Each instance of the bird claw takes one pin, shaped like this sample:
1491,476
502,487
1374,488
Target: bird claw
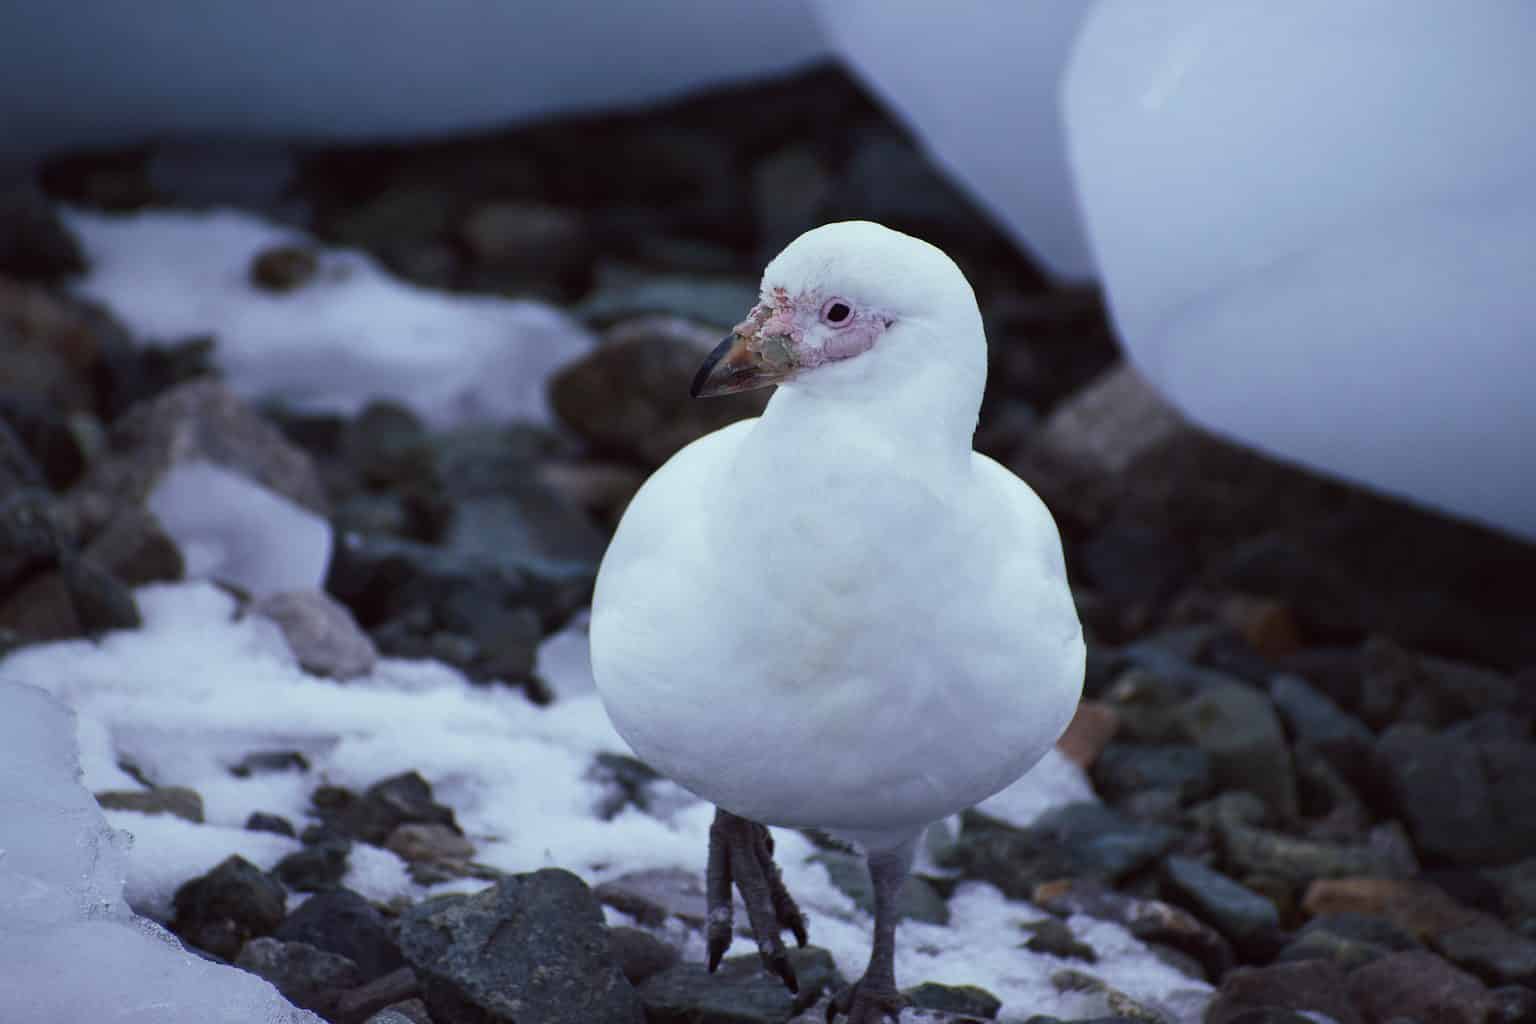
864,1003
741,854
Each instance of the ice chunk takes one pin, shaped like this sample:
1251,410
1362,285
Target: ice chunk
232,529
350,334
71,948
978,82
1317,228
354,69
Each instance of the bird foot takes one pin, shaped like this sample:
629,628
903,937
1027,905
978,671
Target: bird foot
866,1003
741,853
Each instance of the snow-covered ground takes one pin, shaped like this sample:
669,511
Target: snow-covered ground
349,334
198,688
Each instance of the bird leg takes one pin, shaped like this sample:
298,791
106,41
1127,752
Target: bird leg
873,999
741,852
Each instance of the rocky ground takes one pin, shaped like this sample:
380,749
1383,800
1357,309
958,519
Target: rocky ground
1309,710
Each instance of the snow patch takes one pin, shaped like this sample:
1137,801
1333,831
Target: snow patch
350,334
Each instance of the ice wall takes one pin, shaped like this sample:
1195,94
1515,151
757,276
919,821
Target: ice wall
1317,226
97,72
70,949
979,83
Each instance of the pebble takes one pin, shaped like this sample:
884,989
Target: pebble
309,978
1077,841
320,632
383,807
177,801
261,821
1312,986
231,904
1239,913
1349,939
341,921
1421,986
315,868
530,947
739,992
962,1000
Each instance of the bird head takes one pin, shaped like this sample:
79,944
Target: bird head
843,302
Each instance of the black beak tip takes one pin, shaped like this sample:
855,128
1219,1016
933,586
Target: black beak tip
700,379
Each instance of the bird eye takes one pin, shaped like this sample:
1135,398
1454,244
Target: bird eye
837,313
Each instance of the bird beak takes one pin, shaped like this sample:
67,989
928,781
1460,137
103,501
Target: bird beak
744,362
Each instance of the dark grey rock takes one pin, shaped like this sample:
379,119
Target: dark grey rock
18,470
198,420
371,997
1077,841
1125,768
528,249
1438,786
343,922
1419,985
1494,726
530,947
1313,717
962,1000
1313,986
1516,884
315,868
383,807
790,189
1133,562
34,243
307,977
30,538
261,821
918,899
222,910
265,762
1151,921
1348,939
1386,853
135,550
629,396
100,601
626,782
640,954
1053,937
739,992
321,633
1238,728
177,801
1489,950
409,1011
1251,921
1399,685
1510,768
1512,1004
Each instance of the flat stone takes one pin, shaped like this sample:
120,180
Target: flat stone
177,801
1076,841
1348,939
1126,768
962,1000
307,977
1313,717
656,894
1490,950
641,954
1251,850
1421,986
365,1000
1418,908
1151,921
1052,936
1314,986
321,632
429,843
530,947
739,992
1242,915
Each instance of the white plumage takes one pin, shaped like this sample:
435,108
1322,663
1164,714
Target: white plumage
838,615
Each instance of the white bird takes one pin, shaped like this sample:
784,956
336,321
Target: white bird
837,615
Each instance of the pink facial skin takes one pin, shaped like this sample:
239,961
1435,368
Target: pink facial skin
787,318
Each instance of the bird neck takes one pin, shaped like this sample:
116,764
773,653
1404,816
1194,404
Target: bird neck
898,398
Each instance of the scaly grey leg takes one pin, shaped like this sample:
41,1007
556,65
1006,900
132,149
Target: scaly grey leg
873,999
741,852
